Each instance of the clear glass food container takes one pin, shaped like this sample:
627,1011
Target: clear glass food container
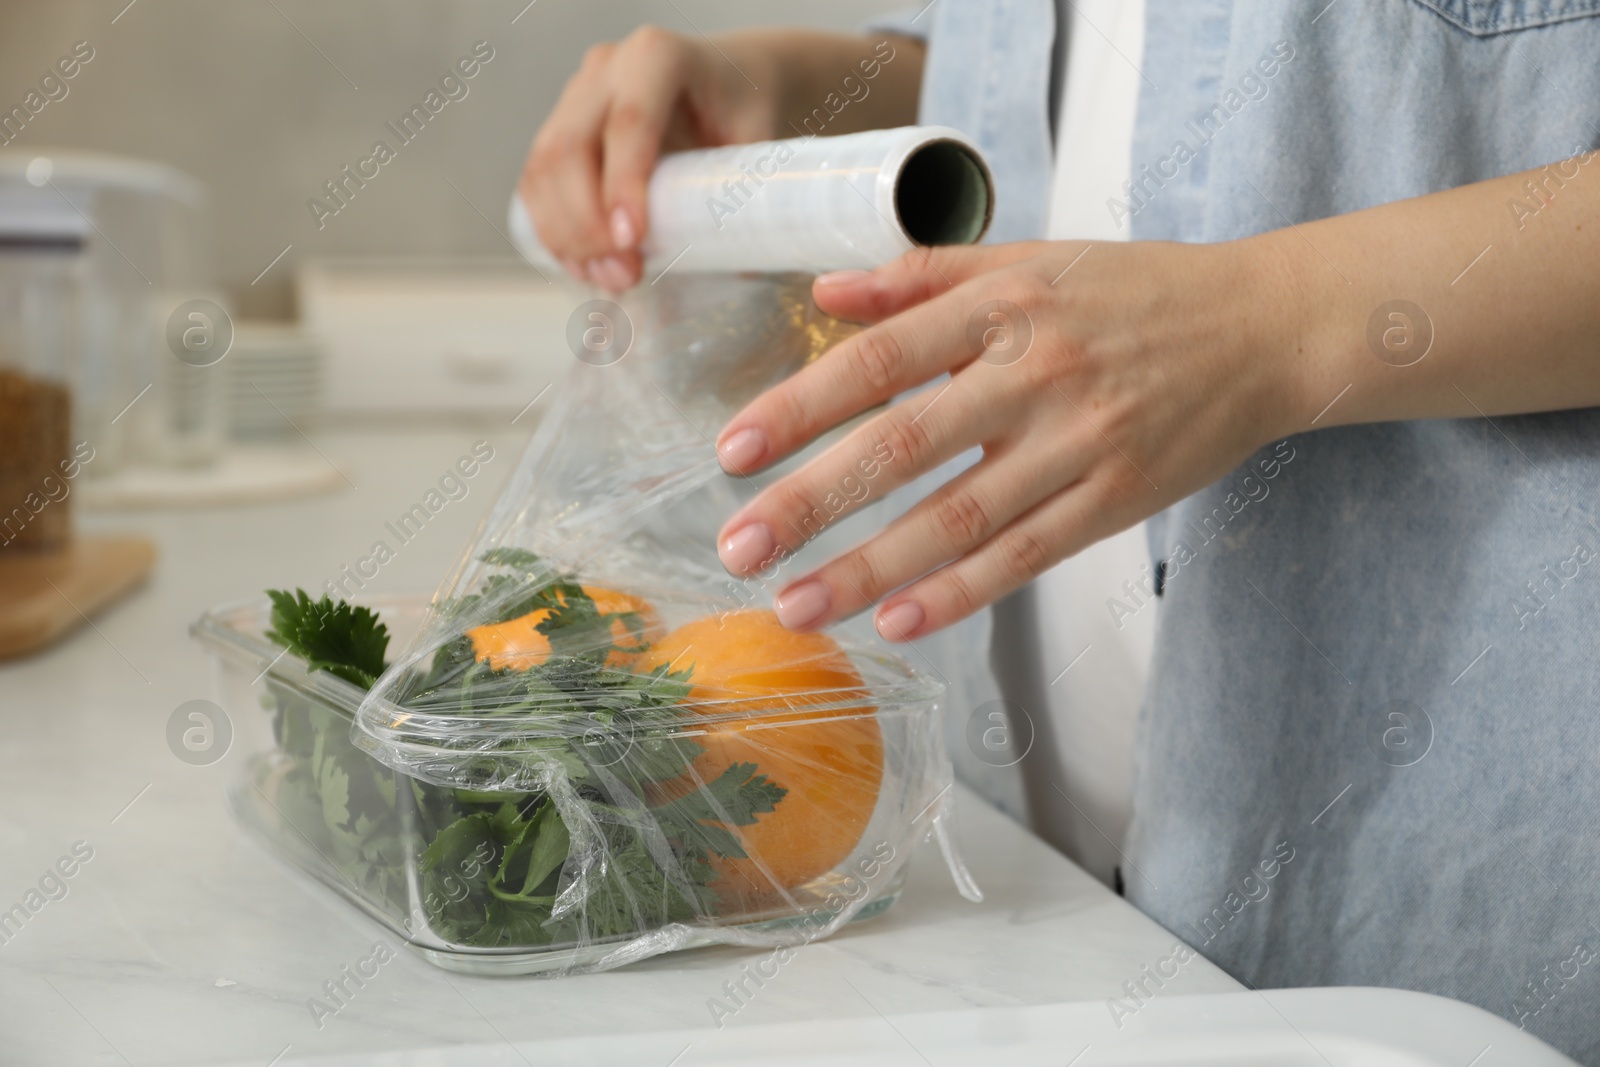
421,853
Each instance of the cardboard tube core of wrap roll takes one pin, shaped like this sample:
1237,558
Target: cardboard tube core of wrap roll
944,195
808,204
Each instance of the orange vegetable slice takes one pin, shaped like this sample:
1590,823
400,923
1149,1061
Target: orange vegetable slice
518,645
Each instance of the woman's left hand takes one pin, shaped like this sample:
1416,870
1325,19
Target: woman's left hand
1102,382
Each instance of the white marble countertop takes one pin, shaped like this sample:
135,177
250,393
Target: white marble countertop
182,942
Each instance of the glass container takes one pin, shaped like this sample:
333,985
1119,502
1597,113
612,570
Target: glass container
419,853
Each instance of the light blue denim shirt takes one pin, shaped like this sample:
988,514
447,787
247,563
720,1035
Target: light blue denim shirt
1370,752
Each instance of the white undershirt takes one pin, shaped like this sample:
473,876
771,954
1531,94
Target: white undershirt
1094,132
1094,705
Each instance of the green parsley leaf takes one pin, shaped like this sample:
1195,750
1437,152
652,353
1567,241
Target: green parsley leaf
339,638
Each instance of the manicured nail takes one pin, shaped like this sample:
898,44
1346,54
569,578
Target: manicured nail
622,234
801,605
900,622
743,451
842,277
747,548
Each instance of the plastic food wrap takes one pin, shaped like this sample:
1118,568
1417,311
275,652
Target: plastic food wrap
809,203
595,746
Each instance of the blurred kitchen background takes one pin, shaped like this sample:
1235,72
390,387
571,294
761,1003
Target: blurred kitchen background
264,100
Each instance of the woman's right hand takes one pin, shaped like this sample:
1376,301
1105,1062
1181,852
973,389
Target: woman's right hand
656,91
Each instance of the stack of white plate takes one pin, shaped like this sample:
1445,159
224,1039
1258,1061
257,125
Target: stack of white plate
274,381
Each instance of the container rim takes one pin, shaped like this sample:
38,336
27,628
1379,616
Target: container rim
218,628
894,684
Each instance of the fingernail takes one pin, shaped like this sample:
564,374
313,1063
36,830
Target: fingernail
900,622
747,548
801,605
621,228
842,277
743,451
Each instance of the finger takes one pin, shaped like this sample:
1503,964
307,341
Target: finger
918,276
890,451
959,517
656,66
564,206
571,207
1061,526
867,369
617,272
561,180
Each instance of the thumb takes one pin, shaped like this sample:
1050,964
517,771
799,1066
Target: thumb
919,275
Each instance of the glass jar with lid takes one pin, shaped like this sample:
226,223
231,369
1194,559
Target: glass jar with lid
42,272
138,262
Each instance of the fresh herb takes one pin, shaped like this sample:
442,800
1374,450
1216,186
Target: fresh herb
330,636
505,868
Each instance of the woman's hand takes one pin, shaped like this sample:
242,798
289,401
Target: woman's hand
1102,382
1152,369
655,91
658,91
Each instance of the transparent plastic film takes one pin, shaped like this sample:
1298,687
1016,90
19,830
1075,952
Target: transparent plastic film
595,746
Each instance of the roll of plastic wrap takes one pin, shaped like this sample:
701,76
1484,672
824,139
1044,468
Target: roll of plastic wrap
808,204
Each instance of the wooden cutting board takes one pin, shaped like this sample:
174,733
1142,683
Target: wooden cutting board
46,595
